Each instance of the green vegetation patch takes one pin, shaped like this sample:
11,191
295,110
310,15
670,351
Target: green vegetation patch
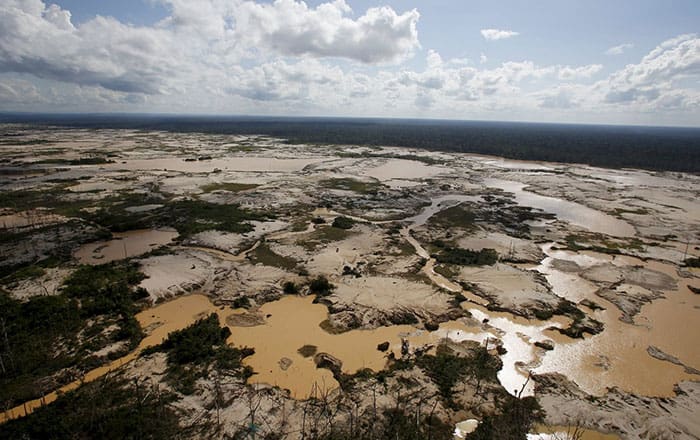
228,186
343,222
465,257
455,217
192,216
601,244
290,288
24,273
324,235
448,271
621,211
12,141
108,408
347,184
47,334
320,286
425,159
193,350
692,262
514,420
264,255
112,213
90,160
446,369
57,198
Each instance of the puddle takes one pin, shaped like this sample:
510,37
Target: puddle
30,218
251,164
439,204
124,245
571,212
517,336
403,169
142,208
466,427
568,433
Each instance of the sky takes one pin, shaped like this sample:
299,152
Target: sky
574,61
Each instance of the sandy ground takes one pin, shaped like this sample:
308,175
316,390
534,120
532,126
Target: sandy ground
650,219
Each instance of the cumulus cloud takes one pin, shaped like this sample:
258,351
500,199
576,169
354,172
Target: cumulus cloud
658,72
290,27
279,80
581,72
285,56
198,39
620,49
43,42
498,34
561,97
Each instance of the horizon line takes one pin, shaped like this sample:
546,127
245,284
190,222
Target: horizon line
88,115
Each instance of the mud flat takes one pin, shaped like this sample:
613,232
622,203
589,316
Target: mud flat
574,213
573,244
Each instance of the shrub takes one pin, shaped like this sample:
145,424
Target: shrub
290,288
320,286
343,222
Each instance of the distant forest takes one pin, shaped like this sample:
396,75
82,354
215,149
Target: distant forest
652,148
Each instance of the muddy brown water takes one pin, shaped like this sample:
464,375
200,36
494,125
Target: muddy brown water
160,321
33,218
618,356
568,433
403,169
289,324
124,245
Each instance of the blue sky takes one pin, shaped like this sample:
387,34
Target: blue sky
623,62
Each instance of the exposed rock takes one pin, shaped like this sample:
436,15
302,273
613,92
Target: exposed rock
285,363
657,353
565,266
545,345
245,320
629,415
325,360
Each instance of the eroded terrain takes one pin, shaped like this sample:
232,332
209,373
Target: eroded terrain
348,271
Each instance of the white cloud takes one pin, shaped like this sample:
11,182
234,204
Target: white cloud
199,39
282,57
104,52
620,49
569,73
498,34
290,27
657,74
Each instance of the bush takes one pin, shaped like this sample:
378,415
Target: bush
290,288
467,257
320,286
516,418
192,350
108,408
692,262
242,302
343,223
93,299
